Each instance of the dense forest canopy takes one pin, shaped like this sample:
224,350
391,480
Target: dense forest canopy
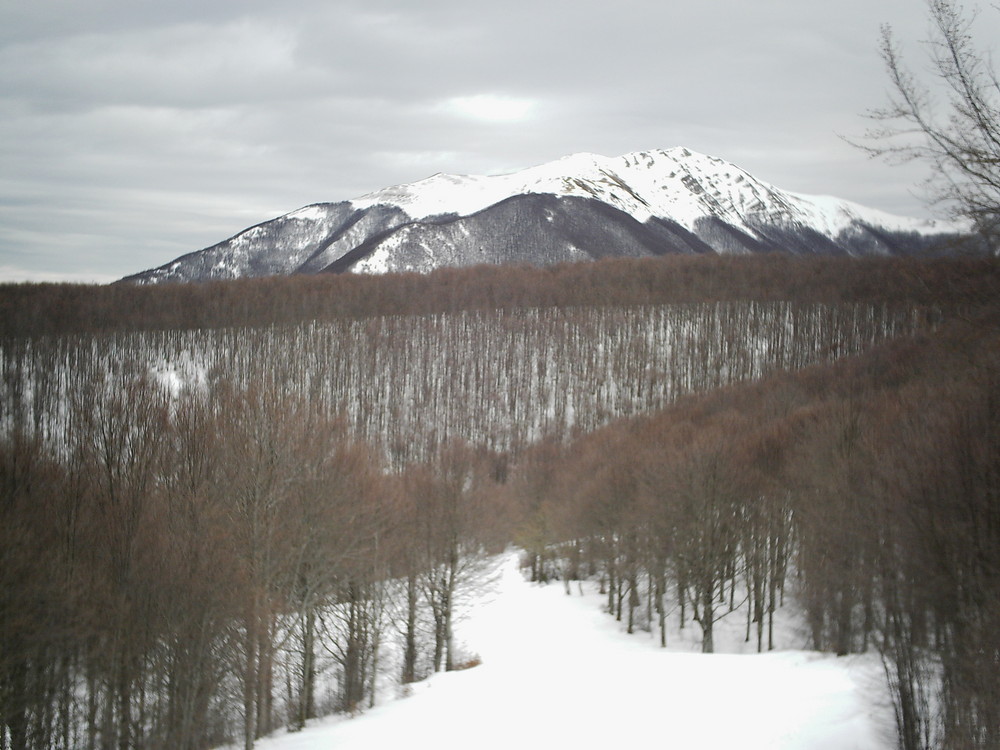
32,309
225,508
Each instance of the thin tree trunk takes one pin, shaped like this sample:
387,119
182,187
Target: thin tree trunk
410,651
449,635
249,688
661,608
770,614
307,690
681,599
707,622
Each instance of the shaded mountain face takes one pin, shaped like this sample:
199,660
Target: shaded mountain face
577,208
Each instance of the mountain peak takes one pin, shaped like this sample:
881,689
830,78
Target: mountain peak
635,183
579,207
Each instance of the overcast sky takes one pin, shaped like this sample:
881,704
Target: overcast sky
133,131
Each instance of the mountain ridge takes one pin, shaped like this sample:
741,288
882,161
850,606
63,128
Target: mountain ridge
580,207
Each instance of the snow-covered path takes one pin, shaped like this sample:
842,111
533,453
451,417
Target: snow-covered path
557,672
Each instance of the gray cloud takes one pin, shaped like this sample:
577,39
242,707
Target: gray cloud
134,131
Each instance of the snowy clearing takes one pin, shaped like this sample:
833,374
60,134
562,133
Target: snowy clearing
557,669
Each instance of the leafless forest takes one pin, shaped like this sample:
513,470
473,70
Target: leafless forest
232,507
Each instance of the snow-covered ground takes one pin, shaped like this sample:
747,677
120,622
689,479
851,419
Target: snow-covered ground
558,672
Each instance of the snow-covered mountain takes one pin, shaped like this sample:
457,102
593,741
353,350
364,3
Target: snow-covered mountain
581,207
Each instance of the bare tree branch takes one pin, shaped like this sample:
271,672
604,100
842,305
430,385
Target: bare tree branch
953,125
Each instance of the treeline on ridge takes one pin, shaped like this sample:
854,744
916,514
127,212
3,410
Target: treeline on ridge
34,309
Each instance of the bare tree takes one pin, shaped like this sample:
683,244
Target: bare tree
122,420
198,598
30,592
836,521
706,493
257,459
450,538
953,127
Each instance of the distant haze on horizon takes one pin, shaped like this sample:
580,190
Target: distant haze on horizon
133,132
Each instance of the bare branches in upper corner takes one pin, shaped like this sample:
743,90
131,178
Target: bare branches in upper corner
952,123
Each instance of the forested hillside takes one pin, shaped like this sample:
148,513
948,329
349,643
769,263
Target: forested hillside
867,489
498,380
227,508
35,309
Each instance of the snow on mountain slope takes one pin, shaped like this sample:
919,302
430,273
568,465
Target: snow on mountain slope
276,247
677,183
558,672
580,207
